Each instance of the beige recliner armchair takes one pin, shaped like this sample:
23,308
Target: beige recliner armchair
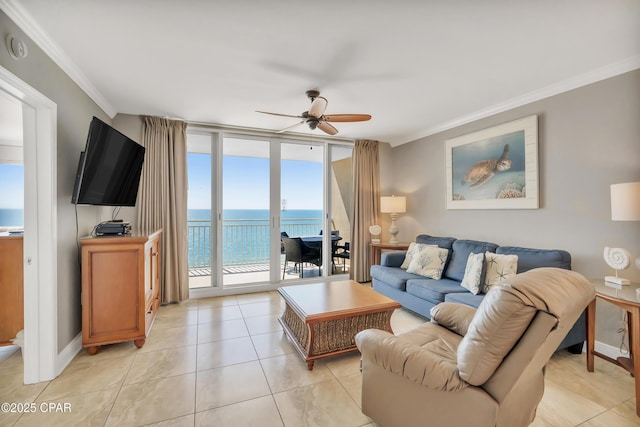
471,367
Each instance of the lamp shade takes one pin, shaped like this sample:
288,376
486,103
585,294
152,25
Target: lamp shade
393,204
625,201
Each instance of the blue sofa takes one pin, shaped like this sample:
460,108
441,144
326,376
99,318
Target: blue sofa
419,294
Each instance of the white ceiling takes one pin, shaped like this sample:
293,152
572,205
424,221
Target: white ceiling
417,67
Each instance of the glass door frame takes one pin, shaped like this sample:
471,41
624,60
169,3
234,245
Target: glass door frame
275,142
274,221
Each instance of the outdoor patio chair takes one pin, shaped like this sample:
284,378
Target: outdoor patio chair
342,252
296,251
282,234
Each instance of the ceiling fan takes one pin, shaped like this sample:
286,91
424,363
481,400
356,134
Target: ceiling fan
316,118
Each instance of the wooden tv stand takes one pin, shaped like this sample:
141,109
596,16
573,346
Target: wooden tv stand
11,288
120,288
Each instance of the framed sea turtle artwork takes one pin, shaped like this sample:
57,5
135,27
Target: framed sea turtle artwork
494,168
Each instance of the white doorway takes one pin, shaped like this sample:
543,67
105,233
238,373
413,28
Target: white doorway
39,116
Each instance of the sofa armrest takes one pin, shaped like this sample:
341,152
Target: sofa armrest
393,258
453,316
411,361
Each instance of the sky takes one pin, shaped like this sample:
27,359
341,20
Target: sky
246,183
11,186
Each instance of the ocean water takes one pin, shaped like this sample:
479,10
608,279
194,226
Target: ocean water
245,233
11,218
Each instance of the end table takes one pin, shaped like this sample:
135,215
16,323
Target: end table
626,298
376,249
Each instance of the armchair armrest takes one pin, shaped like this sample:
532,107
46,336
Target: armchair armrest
392,259
411,361
453,316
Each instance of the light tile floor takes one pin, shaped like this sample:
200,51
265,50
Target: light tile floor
225,362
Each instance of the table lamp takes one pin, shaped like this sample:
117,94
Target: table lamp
393,205
625,206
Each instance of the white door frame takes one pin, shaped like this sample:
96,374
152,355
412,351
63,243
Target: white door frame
39,120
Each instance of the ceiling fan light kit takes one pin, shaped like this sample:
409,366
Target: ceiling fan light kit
315,117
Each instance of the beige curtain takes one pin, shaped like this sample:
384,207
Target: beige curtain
364,207
162,200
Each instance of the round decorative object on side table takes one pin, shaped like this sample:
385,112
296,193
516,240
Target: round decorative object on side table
618,259
375,231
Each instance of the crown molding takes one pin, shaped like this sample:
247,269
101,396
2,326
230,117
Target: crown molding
25,21
602,73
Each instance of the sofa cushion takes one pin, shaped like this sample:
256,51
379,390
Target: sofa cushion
465,298
433,290
472,279
498,269
428,262
460,254
441,242
412,251
392,276
529,258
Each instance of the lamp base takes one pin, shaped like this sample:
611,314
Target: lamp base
617,280
393,230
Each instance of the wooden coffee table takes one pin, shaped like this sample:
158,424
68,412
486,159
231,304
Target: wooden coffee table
322,319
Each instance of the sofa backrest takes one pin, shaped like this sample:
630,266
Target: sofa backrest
529,258
460,253
441,242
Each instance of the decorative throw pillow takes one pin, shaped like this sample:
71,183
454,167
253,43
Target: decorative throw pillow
472,279
499,268
413,249
429,262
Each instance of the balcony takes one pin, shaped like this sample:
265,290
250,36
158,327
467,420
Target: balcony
245,248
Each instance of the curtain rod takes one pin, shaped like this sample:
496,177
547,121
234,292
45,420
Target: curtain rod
263,132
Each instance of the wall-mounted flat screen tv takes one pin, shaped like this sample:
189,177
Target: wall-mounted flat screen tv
109,168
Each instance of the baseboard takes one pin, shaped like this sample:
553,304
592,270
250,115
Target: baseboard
68,353
608,350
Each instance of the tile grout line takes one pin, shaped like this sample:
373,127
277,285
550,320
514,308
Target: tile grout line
124,377
273,398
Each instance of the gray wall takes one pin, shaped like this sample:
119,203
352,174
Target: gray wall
588,139
130,125
75,110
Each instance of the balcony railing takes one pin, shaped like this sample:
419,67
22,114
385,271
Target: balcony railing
244,241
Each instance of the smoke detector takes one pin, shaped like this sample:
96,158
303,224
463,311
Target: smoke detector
17,48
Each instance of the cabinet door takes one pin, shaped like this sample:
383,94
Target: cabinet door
114,293
11,288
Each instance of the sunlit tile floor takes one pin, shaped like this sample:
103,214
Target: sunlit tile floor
225,362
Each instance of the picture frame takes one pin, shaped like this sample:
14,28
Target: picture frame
494,168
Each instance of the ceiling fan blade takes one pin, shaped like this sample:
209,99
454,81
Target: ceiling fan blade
347,117
291,127
327,128
278,114
318,106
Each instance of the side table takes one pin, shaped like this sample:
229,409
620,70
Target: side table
376,249
624,297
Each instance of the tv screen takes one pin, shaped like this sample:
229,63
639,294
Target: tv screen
109,168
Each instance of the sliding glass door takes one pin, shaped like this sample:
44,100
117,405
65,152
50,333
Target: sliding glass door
340,178
200,221
250,197
302,205
246,213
